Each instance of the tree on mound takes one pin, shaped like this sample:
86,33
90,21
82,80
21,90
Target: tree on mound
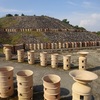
9,15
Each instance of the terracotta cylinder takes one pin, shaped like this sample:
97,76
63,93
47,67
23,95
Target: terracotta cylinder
20,98
38,46
82,63
24,89
26,46
51,97
56,45
20,54
8,54
80,44
64,45
19,46
28,94
85,44
51,85
30,55
31,47
73,45
54,60
25,84
83,54
52,46
24,76
6,82
7,46
42,46
81,91
35,46
60,45
43,58
66,62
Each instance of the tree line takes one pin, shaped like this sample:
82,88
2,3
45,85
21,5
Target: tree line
10,15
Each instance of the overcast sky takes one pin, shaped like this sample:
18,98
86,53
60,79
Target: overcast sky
85,13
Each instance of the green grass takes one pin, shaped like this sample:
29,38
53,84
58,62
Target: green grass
7,22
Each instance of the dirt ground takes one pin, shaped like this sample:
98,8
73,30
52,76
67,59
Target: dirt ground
93,65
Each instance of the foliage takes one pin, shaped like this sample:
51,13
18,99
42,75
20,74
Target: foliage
7,22
9,15
5,39
16,15
22,14
98,33
65,21
15,38
81,28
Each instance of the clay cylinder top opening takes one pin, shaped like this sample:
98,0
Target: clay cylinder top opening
6,69
83,75
31,51
51,78
55,54
83,53
25,73
44,52
8,45
67,56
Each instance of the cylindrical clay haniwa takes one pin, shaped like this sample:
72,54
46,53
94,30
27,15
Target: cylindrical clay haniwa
82,63
51,85
6,82
82,60
31,47
43,58
81,90
54,60
66,62
30,55
8,54
25,85
20,54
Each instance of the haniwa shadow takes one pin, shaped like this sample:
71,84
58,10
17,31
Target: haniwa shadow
94,68
66,98
38,92
64,92
70,98
2,55
73,66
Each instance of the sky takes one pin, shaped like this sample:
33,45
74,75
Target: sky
84,13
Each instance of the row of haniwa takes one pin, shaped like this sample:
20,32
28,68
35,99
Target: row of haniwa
44,56
60,45
52,45
81,90
24,83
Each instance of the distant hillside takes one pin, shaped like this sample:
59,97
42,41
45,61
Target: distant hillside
41,22
33,22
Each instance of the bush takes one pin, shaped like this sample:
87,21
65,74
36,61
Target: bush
16,15
9,15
